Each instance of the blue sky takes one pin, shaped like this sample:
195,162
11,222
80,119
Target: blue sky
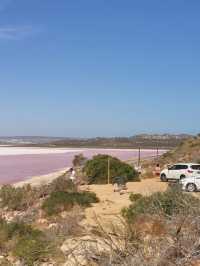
88,68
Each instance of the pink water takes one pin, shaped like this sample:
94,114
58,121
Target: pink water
15,168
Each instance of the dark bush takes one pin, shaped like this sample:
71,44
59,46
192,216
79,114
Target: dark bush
169,203
64,201
96,170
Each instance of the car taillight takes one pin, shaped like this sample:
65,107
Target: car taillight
190,171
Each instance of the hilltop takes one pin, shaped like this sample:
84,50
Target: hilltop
187,151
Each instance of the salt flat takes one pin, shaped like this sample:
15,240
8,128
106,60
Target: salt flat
7,150
19,164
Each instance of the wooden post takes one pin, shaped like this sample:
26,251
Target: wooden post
139,157
108,170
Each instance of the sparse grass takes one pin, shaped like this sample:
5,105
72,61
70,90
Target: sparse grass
187,151
169,203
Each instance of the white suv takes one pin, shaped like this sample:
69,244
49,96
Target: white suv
191,184
180,171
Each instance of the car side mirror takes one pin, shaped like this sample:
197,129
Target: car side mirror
168,167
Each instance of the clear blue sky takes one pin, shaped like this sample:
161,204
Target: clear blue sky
99,67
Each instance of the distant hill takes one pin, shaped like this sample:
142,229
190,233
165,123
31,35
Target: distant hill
148,141
166,141
187,151
26,140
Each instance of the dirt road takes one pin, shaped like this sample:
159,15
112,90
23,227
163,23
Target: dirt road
111,202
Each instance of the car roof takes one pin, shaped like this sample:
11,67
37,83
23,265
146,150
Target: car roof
187,163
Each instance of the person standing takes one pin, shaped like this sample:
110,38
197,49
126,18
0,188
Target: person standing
157,170
72,175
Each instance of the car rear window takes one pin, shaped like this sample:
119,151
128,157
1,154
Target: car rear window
196,167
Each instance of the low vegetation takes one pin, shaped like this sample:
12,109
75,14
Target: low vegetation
31,229
158,230
65,201
19,199
96,170
26,243
170,203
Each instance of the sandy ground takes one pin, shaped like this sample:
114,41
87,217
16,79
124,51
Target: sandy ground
112,202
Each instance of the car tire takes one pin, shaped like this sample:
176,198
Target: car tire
163,178
191,187
182,177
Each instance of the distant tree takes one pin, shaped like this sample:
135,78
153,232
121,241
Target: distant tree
96,169
79,160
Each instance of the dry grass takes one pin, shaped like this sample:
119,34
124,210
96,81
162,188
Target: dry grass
153,239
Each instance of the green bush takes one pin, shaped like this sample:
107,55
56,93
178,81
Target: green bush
64,201
62,183
32,249
28,244
169,203
19,198
96,169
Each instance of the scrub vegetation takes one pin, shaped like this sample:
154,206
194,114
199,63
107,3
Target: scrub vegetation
96,170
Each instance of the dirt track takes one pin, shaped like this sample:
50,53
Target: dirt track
111,202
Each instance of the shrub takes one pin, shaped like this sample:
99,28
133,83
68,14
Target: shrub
62,184
96,169
19,198
169,203
134,197
29,244
64,201
32,249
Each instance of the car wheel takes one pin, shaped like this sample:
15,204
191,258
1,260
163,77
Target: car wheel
182,177
163,178
191,187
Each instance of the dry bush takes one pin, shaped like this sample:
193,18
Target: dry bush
20,198
148,174
165,231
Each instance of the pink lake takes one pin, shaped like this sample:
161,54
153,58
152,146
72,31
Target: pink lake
17,164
